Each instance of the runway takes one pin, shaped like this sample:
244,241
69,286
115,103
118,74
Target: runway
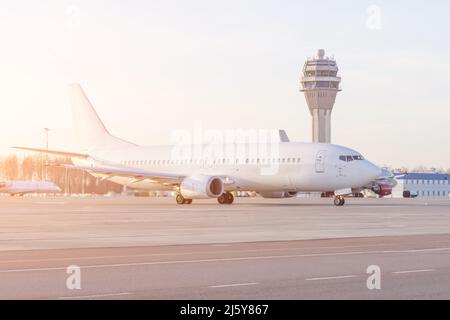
411,267
59,223
140,248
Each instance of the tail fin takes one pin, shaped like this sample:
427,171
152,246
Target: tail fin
283,136
89,129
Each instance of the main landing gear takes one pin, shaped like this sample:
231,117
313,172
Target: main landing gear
226,198
339,201
181,200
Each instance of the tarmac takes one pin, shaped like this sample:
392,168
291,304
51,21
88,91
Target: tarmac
151,248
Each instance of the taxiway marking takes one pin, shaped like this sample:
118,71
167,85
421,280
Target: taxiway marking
331,278
414,271
135,264
106,295
234,285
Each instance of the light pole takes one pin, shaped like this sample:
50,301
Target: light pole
46,137
46,130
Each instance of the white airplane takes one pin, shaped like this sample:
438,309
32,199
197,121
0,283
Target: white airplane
23,187
289,168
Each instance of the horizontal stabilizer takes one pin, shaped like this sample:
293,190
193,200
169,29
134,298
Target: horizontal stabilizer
55,152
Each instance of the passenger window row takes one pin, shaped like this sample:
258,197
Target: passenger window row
203,161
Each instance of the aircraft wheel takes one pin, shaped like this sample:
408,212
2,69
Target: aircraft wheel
222,199
339,201
188,201
180,199
229,198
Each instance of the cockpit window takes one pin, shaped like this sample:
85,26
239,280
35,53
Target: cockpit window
351,158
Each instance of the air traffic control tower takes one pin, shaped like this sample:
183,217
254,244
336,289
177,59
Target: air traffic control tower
320,84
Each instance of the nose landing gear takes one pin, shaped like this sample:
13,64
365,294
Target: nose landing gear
339,201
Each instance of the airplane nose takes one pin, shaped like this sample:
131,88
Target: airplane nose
373,171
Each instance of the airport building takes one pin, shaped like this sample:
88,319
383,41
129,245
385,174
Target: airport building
320,84
436,185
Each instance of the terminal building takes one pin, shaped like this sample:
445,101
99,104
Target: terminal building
434,185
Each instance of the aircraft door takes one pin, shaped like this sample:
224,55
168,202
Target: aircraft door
320,161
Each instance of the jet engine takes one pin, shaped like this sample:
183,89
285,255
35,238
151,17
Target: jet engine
201,187
382,189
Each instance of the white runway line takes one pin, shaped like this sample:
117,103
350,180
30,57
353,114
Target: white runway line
178,253
414,271
331,278
44,202
234,285
252,258
381,206
106,295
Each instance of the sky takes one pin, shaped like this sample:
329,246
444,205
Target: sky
153,67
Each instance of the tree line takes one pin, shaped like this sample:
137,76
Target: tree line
41,167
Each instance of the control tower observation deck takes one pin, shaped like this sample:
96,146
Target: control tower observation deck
320,85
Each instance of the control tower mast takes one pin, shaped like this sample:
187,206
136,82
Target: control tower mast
320,85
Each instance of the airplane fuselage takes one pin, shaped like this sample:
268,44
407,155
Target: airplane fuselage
287,166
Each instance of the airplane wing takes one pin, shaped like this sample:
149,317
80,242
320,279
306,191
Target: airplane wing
110,172
55,152
137,175
388,175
